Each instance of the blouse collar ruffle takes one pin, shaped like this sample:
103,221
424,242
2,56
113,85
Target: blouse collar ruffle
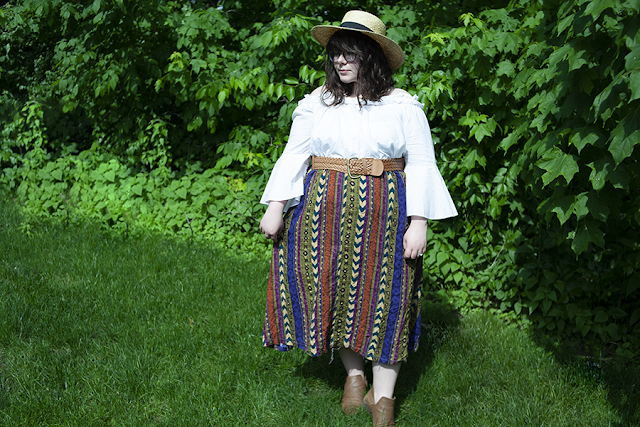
399,99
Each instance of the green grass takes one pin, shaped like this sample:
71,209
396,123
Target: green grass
97,329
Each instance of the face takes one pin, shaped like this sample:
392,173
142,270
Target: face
347,70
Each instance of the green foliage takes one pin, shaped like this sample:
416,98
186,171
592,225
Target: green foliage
200,205
170,114
541,162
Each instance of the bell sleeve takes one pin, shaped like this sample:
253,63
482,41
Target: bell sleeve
287,178
427,193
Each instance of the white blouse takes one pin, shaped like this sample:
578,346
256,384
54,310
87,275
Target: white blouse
396,126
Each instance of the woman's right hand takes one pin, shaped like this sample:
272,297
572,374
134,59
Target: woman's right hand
272,223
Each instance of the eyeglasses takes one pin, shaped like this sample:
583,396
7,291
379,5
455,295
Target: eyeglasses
348,56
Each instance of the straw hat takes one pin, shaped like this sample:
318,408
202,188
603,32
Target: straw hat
365,23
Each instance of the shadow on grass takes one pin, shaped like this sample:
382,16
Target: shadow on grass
620,375
439,324
4,389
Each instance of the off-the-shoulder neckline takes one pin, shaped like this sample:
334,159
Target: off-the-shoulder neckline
399,98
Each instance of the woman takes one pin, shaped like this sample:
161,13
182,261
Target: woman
346,269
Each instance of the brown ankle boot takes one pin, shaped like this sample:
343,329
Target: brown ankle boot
354,389
381,412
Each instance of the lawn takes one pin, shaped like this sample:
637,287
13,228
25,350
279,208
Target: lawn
100,329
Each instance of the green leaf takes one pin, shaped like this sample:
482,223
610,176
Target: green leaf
557,163
249,103
509,141
619,178
507,41
195,124
596,7
599,171
98,18
266,39
222,95
613,331
586,233
201,92
632,60
601,317
625,137
474,156
481,130
563,208
617,313
506,68
304,73
182,192
575,59
634,85
583,137
572,309
633,284
113,81
517,307
607,101
197,64
598,207
635,316
579,206
57,174
564,23
291,93
110,175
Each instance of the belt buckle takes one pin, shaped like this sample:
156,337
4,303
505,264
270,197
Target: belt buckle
349,168
377,166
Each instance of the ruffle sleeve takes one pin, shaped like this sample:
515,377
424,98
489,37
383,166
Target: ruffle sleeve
287,178
427,193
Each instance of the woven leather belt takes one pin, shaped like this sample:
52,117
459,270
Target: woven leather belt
355,167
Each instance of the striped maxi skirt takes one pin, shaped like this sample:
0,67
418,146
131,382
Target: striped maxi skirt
338,277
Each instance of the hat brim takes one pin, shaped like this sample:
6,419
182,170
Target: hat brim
392,51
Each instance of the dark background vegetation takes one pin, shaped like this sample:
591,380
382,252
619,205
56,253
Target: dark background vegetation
168,116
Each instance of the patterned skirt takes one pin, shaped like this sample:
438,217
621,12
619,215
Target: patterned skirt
338,277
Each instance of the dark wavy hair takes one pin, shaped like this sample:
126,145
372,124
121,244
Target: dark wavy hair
374,76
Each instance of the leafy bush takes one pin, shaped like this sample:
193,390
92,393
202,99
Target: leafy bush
536,107
170,114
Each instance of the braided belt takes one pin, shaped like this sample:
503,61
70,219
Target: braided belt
356,167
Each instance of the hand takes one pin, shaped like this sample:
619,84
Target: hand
272,223
415,238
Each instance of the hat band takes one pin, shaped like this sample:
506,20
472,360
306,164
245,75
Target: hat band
355,26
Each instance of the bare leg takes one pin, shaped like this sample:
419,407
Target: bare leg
384,380
352,361
355,387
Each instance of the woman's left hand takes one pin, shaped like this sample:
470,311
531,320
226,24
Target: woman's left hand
415,238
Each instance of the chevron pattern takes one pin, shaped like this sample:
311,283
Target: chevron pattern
344,189
338,278
288,338
315,239
380,303
356,260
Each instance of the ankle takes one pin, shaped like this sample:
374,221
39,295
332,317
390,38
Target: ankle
354,372
379,395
